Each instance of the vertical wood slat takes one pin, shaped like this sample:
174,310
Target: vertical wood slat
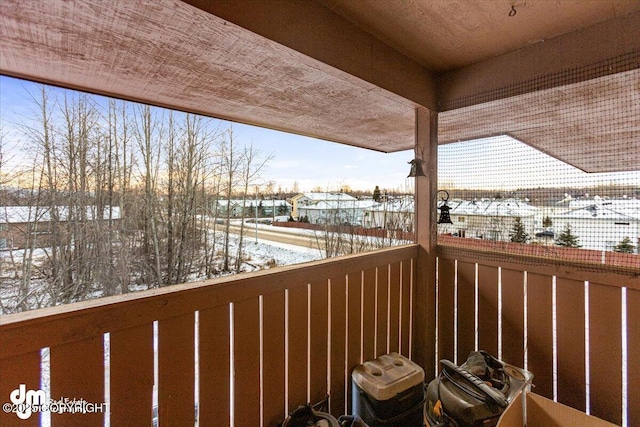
571,343
23,369
446,308
513,317
382,309
273,359
297,344
466,309
488,309
633,361
176,372
246,362
540,332
318,341
369,315
405,308
77,372
605,351
337,372
354,330
214,359
131,375
394,307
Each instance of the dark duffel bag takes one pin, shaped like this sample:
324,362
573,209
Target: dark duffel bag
306,416
473,394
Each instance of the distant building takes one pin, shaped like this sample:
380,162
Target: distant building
239,208
490,219
313,198
600,223
23,226
392,214
335,212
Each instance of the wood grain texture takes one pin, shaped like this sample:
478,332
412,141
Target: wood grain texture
605,347
77,372
131,375
488,309
215,366
513,317
571,343
176,370
540,332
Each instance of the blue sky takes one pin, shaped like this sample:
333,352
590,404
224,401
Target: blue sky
497,163
309,162
316,163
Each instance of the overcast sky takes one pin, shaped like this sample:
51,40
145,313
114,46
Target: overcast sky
496,163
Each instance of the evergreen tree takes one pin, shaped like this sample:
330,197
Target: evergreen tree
566,238
546,222
517,234
625,246
376,194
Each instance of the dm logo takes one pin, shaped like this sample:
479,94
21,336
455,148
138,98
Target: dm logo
25,400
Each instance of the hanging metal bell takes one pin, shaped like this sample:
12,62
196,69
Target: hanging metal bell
416,168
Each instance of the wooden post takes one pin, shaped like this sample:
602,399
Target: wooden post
424,319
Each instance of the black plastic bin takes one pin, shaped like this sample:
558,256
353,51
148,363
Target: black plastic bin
389,392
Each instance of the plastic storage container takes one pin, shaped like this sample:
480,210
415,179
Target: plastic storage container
388,392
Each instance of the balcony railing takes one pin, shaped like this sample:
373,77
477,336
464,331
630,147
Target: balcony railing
249,349
575,326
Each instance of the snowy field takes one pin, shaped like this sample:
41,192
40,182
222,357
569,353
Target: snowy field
258,254
284,254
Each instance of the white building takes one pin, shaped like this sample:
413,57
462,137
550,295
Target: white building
266,207
394,214
491,219
599,223
313,198
337,212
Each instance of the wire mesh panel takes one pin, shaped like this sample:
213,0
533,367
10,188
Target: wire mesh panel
556,173
543,183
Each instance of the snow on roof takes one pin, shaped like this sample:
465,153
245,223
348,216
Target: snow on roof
340,204
405,204
492,207
252,202
328,196
600,208
18,214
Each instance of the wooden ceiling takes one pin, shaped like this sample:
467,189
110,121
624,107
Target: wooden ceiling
446,35
560,76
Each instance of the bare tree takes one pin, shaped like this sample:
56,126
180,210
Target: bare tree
120,176
218,177
43,173
118,199
147,134
252,164
230,164
192,156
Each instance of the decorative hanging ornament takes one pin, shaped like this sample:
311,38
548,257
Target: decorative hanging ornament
444,209
416,168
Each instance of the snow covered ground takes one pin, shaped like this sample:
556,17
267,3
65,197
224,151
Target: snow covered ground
284,254
258,255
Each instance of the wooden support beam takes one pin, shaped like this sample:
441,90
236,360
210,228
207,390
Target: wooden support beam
424,326
316,31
